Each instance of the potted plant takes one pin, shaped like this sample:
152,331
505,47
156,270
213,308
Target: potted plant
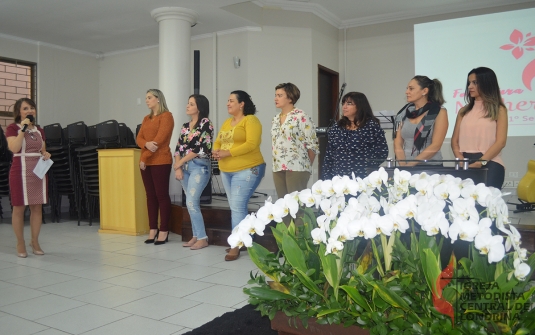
411,254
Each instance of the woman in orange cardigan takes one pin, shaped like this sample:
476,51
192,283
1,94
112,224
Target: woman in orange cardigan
155,163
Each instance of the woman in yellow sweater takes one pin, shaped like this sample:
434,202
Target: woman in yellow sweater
155,163
237,148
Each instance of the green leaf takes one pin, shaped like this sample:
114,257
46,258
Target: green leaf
332,268
267,294
291,228
329,311
308,282
521,304
278,234
259,256
355,295
431,270
378,259
386,294
293,254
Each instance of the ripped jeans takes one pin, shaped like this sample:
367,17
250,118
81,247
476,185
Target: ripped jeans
240,186
196,176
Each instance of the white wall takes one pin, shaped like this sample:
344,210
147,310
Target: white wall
123,81
67,82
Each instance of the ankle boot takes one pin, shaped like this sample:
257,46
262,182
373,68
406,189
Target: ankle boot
233,254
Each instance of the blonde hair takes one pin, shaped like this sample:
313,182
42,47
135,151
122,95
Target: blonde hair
162,105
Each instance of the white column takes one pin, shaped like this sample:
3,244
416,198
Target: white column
174,68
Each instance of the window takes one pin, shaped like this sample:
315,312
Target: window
17,80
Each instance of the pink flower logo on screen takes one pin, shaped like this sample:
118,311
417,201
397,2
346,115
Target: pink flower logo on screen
521,43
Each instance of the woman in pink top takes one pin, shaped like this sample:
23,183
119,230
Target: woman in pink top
481,128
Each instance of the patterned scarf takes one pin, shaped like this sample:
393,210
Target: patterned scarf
423,128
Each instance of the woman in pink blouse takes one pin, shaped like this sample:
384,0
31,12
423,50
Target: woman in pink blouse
481,128
294,144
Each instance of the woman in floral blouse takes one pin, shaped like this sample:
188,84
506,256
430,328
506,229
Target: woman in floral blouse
294,144
192,164
356,141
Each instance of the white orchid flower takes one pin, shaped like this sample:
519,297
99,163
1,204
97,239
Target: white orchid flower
308,198
344,186
398,221
521,253
378,178
316,188
513,239
424,186
447,190
371,204
407,207
484,226
288,204
271,212
333,246
369,228
338,202
464,209
490,245
240,239
354,209
318,236
327,188
463,229
438,224
324,222
355,227
329,209
522,270
478,192
252,225
385,224
401,179
340,231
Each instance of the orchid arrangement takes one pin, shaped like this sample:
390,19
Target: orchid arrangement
370,252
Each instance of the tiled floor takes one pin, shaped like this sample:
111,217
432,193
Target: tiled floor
91,283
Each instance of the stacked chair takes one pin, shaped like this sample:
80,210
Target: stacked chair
5,163
75,169
4,182
60,181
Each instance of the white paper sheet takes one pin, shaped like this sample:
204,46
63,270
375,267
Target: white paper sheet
42,167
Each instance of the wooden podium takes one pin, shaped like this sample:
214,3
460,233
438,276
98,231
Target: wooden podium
123,203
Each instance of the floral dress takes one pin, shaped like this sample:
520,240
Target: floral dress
291,141
197,140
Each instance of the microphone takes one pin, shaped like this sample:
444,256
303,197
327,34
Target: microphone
29,117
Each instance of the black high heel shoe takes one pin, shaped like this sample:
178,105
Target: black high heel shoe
151,240
156,242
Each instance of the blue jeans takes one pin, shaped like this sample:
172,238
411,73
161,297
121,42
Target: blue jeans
196,177
240,186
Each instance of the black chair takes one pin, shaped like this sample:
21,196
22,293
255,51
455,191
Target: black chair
127,137
108,134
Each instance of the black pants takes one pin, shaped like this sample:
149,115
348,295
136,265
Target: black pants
495,171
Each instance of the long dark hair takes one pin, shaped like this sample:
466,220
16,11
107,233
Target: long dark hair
18,105
248,106
364,110
203,106
434,86
488,89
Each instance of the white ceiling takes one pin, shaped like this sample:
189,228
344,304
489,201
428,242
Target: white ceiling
104,26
